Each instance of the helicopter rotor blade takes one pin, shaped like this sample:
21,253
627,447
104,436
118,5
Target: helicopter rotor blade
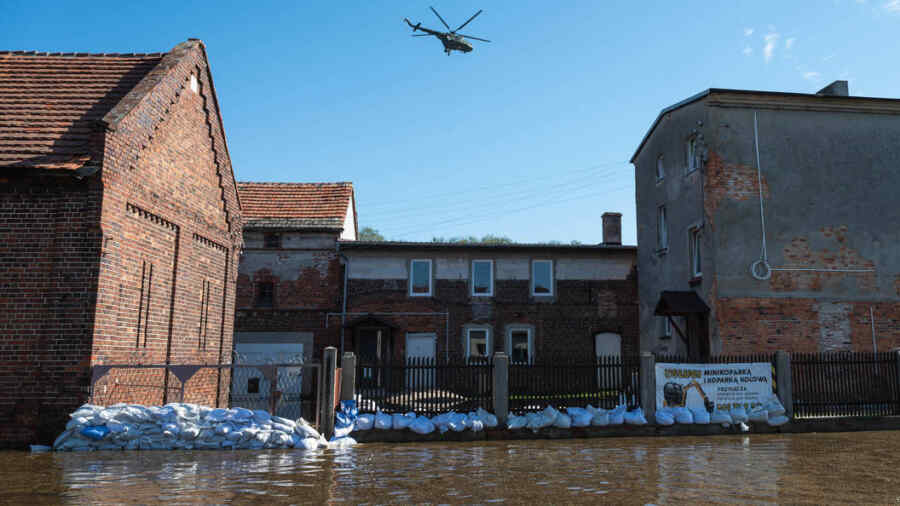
467,22
439,17
421,35
475,38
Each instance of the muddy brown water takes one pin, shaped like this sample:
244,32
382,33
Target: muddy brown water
798,468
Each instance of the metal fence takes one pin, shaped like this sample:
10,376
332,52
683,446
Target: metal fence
604,382
424,385
841,384
720,359
290,390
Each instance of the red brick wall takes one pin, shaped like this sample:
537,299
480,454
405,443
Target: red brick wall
753,325
49,259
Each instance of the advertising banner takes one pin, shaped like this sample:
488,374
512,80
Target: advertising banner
713,386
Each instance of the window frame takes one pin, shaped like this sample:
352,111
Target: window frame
694,251
520,328
662,228
691,153
412,262
552,291
667,328
660,168
490,292
488,340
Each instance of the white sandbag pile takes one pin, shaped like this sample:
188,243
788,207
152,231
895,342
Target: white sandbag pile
771,413
576,417
182,426
451,421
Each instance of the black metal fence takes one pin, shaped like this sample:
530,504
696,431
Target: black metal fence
720,359
842,384
424,385
562,382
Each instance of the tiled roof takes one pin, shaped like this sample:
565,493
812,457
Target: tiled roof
50,103
295,205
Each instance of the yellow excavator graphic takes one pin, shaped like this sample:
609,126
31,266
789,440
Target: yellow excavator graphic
675,395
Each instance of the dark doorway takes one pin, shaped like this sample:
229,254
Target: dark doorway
695,333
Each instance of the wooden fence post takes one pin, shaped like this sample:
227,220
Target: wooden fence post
348,376
648,385
783,382
501,386
326,409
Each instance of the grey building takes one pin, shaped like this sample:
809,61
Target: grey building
767,221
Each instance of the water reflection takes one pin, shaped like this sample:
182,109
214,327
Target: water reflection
811,468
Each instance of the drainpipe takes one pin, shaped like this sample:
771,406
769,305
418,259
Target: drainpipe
346,262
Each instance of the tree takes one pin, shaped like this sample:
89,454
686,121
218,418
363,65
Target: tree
487,239
370,234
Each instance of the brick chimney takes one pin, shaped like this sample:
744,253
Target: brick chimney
835,89
612,229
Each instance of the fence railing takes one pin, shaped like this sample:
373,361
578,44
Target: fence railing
718,359
563,382
289,390
842,384
425,385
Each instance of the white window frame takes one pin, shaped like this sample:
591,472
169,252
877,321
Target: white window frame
667,327
552,279
691,152
695,234
660,168
430,277
520,328
489,346
490,292
662,229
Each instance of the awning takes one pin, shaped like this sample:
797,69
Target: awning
673,303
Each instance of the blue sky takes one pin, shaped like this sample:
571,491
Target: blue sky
527,136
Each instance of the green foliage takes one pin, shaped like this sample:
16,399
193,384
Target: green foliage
370,234
487,239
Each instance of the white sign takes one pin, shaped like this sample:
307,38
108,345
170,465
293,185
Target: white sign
709,386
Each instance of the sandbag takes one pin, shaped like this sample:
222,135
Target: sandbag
422,425
739,415
664,417
383,421
400,421
457,422
343,431
617,415
774,407
701,416
600,418
758,415
683,415
516,422
635,417
563,421
489,419
95,432
775,421
547,417
581,417
720,417
474,422
364,422
342,442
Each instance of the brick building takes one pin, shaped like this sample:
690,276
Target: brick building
789,200
290,274
120,229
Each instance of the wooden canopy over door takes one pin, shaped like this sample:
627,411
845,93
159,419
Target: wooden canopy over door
696,314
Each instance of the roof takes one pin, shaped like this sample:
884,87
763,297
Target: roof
680,304
832,99
295,205
51,104
403,245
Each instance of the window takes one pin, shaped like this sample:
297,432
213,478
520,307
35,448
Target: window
660,169
252,385
204,315
694,244
195,84
265,294
662,232
478,343
420,278
691,152
542,277
519,345
666,327
483,277
272,241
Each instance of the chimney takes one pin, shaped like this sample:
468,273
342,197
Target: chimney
835,89
612,229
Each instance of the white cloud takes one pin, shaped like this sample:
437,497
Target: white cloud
769,49
747,51
811,76
828,57
748,32
892,6
789,43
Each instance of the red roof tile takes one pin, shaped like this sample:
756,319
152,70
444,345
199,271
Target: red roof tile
50,103
300,204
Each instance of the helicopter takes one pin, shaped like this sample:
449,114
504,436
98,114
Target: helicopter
450,39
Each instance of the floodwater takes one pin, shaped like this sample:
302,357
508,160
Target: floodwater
799,468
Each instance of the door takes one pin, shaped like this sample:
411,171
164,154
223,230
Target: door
251,388
420,351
